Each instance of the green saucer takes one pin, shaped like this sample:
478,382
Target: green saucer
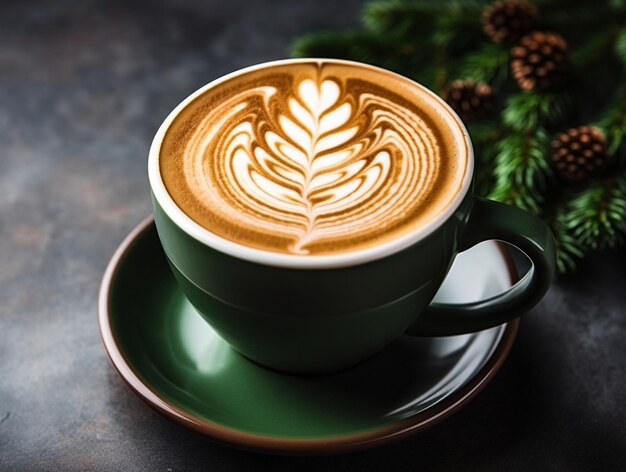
178,365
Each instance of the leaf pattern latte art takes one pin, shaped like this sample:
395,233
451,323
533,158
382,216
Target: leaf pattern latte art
311,166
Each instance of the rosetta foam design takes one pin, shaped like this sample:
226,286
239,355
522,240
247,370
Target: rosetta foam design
310,163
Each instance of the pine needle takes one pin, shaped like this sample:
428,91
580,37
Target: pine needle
411,59
399,17
402,17
568,249
488,64
596,216
434,41
522,170
613,121
484,137
526,111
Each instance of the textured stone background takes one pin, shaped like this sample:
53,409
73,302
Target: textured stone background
83,86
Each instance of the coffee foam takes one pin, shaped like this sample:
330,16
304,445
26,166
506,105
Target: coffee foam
313,158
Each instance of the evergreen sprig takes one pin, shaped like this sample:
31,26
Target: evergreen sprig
437,41
409,17
568,248
522,170
399,18
613,122
489,64
596,216
485,136
407,57
527,111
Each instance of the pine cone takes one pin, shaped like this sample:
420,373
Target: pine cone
579,153
470,100
508,20
540,61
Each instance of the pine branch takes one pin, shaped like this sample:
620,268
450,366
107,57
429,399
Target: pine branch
568,249
596,216
433,41
353,44
513,193
450,27
488,64
613,121
399,17
589,220
522,170
458,32
526,111
484,136
415,17
410,59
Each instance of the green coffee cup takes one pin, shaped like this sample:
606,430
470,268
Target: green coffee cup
319,314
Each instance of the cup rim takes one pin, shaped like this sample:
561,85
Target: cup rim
292,261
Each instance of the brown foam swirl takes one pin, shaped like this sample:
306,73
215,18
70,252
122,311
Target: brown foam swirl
307,163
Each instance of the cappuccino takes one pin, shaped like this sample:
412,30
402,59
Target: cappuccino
313,157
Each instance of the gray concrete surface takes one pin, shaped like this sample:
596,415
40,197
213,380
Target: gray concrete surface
83,87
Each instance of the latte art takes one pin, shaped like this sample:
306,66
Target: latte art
311,158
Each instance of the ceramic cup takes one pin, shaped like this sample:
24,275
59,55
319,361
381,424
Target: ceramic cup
318,314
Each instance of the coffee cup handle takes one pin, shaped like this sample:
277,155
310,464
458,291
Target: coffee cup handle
490,220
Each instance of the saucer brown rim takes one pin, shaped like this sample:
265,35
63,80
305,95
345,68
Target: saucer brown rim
290,446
